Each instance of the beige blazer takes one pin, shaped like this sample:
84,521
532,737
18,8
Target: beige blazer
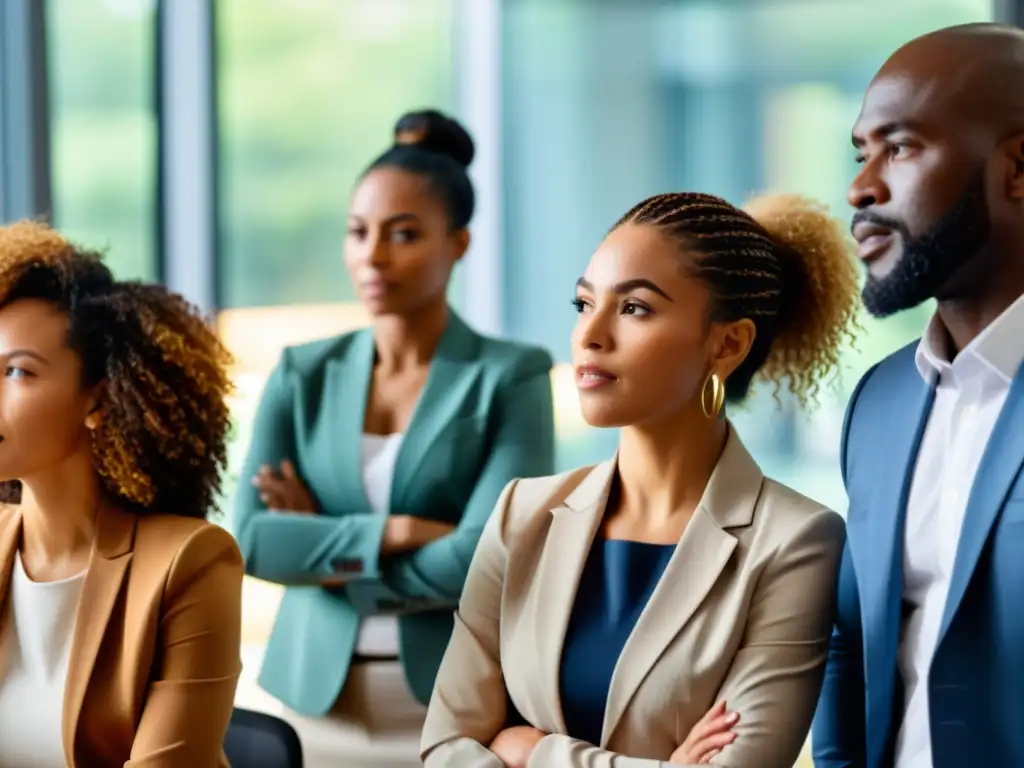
743,613
155,656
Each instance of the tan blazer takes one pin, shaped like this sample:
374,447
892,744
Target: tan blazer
743,613
155,656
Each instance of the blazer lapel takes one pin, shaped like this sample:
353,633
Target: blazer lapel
446,387
10,536
878,550
107,568
1000,465
348,384
695,565
574,525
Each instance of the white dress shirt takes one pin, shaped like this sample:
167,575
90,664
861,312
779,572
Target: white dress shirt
38,641
970,393
378,635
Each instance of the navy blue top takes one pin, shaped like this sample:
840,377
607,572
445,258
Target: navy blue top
616,584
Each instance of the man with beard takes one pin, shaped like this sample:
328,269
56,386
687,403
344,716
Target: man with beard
926,666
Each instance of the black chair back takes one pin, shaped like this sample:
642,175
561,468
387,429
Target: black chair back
258,740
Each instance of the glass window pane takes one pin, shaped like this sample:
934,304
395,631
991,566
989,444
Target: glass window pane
101,60
308,94
607,103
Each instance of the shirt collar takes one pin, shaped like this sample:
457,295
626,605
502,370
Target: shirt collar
999,348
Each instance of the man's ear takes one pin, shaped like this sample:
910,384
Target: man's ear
1014,153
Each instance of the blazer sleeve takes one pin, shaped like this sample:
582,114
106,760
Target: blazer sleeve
469,705
523,446
189,701
775,677
290,548
839,731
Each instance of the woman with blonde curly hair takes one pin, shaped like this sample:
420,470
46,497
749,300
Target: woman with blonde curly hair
120,607
671,606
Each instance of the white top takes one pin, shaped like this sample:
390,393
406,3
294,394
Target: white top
38,643
378,635
969,396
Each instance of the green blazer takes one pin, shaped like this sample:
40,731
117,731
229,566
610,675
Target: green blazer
484,418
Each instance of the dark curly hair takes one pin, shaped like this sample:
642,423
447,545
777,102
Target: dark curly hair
161,444
785,263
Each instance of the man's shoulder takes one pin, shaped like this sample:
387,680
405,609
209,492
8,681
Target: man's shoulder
901,362
884,408
880,383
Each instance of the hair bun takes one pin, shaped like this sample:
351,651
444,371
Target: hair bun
432,131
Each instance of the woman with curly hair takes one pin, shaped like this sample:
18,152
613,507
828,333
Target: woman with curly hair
671,606
120,607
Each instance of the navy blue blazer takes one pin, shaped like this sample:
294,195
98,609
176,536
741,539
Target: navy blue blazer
976,683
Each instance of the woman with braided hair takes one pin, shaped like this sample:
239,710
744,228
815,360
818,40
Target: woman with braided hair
120,606
671,606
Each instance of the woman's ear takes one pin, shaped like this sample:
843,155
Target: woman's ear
732,346
95,415
461,240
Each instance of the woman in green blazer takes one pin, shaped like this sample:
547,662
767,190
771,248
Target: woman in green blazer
377,456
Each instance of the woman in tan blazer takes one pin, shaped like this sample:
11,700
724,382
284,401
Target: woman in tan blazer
119,605
671,606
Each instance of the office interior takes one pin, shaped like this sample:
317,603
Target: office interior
212,145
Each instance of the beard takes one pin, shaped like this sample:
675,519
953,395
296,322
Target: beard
930,261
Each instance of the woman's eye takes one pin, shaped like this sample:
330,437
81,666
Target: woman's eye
357,232
404,236
579,304
13,372
632,308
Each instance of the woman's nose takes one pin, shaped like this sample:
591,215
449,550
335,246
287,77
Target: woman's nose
592,332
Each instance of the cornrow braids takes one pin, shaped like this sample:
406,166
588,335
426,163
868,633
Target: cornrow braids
162,442
784,263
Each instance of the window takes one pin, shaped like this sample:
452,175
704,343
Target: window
308,94
607,103
101,60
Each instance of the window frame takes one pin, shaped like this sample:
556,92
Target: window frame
25,173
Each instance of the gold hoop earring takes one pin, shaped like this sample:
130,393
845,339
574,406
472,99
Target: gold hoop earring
711,402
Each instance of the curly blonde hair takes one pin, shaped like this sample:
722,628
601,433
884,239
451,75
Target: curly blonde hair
823,290
161,444
786,264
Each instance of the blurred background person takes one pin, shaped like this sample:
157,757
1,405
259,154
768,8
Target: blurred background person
120,606
377,457
618,609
